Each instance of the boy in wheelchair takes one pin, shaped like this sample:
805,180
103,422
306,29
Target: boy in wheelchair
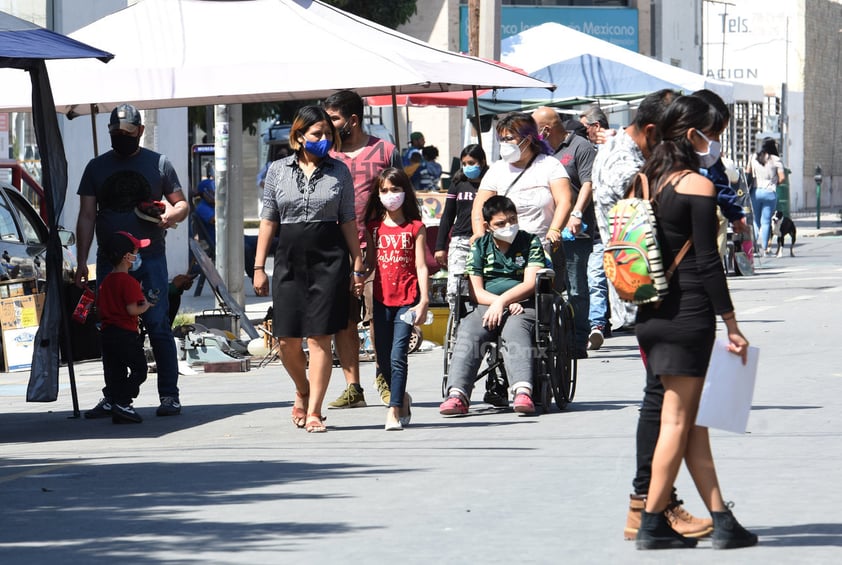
502,267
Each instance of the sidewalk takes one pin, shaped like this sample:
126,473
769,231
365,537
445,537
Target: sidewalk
806,224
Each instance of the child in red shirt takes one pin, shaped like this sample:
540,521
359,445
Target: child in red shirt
120,300
394,229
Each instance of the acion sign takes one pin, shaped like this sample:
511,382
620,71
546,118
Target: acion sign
614,25
746,41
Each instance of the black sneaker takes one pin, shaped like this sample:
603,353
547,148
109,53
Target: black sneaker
170,406
124,414
101,410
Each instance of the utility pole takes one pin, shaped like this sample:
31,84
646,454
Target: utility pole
228,175
489,29
473,27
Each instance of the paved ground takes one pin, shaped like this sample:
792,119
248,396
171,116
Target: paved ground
231,480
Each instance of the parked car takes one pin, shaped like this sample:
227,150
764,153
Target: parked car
23,240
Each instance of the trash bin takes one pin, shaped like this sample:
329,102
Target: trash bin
782,193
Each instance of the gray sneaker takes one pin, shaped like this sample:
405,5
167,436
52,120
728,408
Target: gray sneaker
101,410
351,397
383,389
170,406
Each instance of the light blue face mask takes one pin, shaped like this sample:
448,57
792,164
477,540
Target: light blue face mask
472,171
136,263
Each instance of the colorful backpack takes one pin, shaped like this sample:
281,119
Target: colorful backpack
632,258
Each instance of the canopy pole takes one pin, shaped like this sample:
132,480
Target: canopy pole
395,119
94,109
476,116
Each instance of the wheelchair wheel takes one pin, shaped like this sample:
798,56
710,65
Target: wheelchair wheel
415,339
562,365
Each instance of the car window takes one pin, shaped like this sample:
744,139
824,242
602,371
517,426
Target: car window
8,228
29,222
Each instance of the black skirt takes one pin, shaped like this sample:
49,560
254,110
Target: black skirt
311,280
677,337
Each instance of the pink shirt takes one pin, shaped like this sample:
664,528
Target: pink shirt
395,277
377,154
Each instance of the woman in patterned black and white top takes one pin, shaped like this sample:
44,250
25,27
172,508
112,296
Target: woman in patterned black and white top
308,200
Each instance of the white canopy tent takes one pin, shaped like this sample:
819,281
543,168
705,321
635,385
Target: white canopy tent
174,53
585,66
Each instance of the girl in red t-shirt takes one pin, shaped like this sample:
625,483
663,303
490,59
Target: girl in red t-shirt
395,230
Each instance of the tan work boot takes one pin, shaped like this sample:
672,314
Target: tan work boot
636,505
681,521
685,523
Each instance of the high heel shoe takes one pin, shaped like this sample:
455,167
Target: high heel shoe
406,410
299,415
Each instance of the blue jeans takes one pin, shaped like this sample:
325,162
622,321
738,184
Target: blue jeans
154,279
391,342
766,201
598,285
577,253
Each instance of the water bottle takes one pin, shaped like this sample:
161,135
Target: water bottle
409,318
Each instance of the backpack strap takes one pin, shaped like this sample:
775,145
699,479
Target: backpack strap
681,253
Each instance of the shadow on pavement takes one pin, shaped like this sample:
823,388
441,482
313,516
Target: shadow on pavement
58,425
102,512
800,535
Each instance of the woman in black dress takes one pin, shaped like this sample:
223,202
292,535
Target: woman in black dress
308,200
677,335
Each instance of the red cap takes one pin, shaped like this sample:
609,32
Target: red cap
138,243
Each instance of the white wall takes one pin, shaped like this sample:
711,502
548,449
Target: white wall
171,138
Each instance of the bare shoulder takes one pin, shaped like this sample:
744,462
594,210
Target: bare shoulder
696,185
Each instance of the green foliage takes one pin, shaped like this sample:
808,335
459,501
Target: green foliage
388,13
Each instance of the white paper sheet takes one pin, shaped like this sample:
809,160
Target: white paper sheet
729,387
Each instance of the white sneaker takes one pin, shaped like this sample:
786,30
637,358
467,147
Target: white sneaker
595,339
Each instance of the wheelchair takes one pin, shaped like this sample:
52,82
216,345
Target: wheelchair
555,368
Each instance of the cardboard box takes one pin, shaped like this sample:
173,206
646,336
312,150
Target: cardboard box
21,311
18,287
19,318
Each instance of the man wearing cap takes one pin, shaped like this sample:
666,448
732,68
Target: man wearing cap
122,190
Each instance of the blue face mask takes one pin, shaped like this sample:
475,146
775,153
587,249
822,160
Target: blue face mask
318,148
136,263
472,171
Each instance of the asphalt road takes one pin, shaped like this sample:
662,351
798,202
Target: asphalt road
232,481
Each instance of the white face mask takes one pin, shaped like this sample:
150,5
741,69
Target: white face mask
506,233
709,157
510,152
392,200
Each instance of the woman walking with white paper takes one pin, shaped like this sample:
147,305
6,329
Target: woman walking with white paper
677,335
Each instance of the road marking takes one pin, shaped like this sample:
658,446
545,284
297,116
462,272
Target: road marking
802,297
34,471
755,310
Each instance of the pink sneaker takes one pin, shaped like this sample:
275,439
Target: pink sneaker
523,404
453,406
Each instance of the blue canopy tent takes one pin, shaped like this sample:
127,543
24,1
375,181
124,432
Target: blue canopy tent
585,67
26,46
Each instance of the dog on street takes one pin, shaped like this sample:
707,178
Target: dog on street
782,226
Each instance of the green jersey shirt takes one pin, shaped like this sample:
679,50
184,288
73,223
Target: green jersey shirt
502,271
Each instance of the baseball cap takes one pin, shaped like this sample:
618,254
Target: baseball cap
125,117
123,242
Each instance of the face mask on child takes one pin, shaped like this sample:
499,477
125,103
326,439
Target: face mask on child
506,233
136,263
472,171
709,157
392,200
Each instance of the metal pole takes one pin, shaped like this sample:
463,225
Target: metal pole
819,205
234,205
221,127
476,116
395,119
93,129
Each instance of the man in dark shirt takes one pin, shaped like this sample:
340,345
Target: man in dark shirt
577,156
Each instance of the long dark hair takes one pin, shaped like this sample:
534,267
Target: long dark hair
375,210
477,152
675,152
524,125
767,147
